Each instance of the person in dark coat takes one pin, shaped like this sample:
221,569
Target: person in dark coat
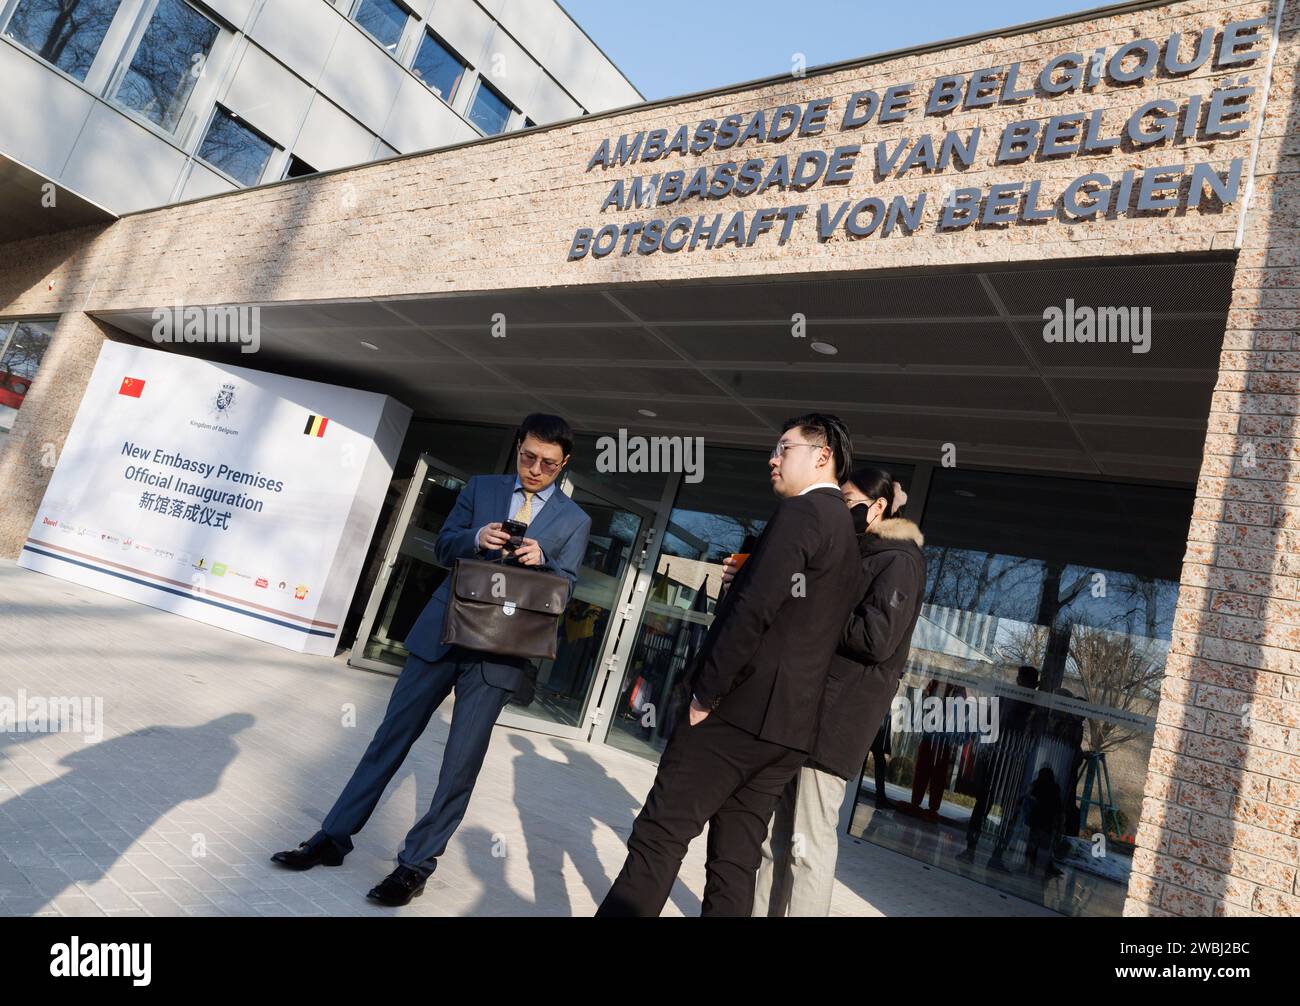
880,752
1043,817
756,686
798,878
998,763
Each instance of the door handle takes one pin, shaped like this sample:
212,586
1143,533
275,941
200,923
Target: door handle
646,540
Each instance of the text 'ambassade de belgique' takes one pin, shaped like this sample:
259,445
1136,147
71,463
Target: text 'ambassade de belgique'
1222,111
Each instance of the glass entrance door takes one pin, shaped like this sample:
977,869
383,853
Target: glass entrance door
590,626
410,573
567,687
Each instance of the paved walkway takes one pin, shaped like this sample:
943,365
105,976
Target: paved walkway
218,750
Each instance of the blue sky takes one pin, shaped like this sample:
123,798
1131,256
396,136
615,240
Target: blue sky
671,47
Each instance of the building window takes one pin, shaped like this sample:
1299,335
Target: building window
1055,597
298,168
66,33
22,347
489,111
439,67
167,63
383,20
233,147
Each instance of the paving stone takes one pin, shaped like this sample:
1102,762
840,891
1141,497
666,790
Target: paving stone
253,757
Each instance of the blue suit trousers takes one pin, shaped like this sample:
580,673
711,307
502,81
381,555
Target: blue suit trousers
420,690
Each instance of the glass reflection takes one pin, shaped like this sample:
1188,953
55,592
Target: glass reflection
723,514
235,149
66,33
417,574
1050,603
23,345
168,63
563,684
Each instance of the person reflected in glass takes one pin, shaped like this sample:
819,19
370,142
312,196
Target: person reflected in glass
1043,816
998,765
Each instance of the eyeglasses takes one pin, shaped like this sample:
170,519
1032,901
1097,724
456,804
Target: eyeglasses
529,460
781,448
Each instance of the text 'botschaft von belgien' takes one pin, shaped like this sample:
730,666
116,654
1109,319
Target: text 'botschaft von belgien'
1221,112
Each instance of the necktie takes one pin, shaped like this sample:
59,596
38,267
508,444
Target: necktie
525,513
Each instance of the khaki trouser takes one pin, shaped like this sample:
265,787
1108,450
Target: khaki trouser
797,874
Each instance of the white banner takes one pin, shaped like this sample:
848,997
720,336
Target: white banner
238,498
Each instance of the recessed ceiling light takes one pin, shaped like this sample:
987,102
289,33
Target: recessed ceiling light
648,412
823,347
370,345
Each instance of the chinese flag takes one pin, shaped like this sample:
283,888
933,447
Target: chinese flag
132,386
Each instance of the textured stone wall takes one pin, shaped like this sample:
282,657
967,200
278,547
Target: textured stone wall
502,214
1221,815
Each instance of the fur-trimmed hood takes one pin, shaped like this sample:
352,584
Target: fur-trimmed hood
874,646
900,529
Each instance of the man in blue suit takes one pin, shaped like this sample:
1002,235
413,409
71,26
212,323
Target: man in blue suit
556,540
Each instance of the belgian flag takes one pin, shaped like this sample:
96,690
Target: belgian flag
315,426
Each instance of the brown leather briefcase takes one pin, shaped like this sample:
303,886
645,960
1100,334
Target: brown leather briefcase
507,609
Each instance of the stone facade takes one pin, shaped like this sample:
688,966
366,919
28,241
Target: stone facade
1221,815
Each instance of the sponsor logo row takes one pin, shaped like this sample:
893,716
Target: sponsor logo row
201,564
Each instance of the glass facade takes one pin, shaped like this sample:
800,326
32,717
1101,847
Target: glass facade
66,33
645,487
710,519
564,684
159,68
438,67
1076,582
167,63
236,149
417,574
489,111
384,20
23,345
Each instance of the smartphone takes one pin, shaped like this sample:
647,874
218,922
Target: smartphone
516,531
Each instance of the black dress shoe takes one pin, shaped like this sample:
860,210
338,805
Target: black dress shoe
399,887
311,853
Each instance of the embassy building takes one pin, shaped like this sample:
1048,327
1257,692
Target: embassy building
1049,276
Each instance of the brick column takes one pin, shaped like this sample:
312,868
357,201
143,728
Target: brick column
1221,815
32,448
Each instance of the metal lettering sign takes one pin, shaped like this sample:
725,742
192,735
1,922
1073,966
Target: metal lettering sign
675,200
